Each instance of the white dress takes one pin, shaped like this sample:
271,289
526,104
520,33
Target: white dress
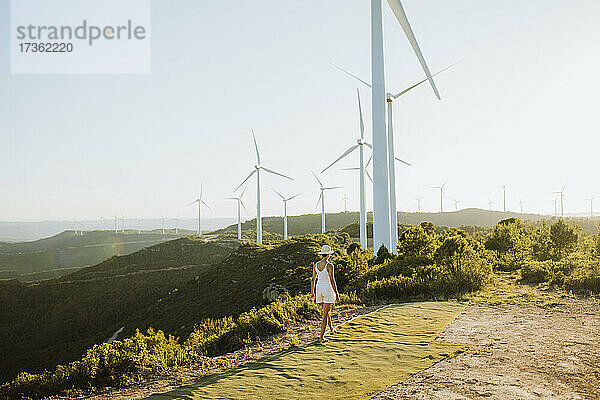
324,291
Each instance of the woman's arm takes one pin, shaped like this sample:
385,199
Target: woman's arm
312,284
332,280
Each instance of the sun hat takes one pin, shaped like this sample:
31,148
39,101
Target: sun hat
326,249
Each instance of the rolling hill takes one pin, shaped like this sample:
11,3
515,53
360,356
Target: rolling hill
311,223
169,286
66,252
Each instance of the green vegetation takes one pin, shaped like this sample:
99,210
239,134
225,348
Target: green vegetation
62,254
204,292
560,253
54,321
134,359
470,220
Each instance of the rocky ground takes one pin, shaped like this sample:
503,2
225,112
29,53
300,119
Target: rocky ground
543,346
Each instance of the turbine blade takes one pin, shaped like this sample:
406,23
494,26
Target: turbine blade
256,147
243,191
398,11
203,202
317,178
332,187
248,177
350,150
369,161
277,173
351,74
402,161
293,197
424,80
243,206
369,145
369,175
362,123
319,199
195,201
350,169
279,194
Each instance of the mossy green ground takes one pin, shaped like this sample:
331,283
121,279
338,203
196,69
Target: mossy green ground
339,369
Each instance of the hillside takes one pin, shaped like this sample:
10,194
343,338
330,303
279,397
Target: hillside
169,286
66,252
311,223
45,323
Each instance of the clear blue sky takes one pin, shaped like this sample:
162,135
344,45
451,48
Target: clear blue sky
520,110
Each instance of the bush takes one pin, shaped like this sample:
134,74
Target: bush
537,271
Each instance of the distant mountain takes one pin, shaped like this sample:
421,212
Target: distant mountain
311,223
63,253
34,230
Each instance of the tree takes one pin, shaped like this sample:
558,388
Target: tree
416,242
563,237
453,252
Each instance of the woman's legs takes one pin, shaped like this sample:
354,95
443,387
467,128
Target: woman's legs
326,308
329,321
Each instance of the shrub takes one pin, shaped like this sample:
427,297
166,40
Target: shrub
537,271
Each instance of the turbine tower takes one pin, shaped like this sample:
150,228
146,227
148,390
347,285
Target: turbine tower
490,203
240,205
456,203
285,200
418,199
442,194
322,200
257,168
504,197
116,225
360,143
345,200
521,202
391,150
562,200
200,202
591,200
382,221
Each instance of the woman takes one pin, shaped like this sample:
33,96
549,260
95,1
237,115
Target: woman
325,291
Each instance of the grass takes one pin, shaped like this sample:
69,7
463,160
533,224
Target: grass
339,370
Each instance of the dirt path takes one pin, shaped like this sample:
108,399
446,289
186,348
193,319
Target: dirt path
526,350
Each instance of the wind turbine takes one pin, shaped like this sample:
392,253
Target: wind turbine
240,205
490,203
322,200
200,202
257,168
591,200
360,143
162,224
442,194
521,202
562,200
285,200
390,146
138,226
345,200
116,225
418,199
382,221
456,203
101,223
504,197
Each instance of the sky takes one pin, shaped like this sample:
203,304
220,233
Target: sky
519,110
